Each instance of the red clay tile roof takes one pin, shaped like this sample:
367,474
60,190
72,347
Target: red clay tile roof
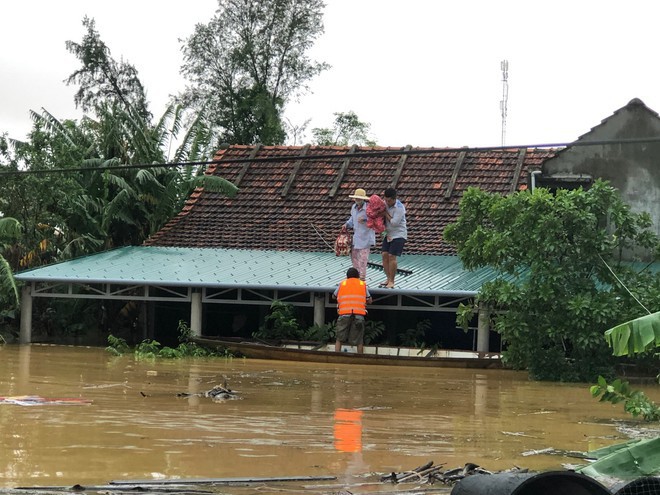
284,204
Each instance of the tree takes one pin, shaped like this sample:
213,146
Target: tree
106,199
78,187
10,230
347,130
295,131
556,256
248,61
101,78
123,206
34,197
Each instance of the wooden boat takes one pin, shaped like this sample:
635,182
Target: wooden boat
314,352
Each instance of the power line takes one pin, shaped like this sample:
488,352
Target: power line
341,156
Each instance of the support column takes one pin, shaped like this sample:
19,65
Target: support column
483,329
319,309
25,336
196,313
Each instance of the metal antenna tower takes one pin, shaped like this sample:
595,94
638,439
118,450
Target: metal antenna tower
505,96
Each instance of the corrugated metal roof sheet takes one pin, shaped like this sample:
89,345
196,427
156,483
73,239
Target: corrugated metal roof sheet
231,268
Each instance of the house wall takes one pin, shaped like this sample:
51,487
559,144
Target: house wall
632,168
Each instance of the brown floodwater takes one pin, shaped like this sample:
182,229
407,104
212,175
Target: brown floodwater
292,419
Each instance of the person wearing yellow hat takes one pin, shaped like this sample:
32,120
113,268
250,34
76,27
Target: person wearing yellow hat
363,237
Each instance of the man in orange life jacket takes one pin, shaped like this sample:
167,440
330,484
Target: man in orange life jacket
352,298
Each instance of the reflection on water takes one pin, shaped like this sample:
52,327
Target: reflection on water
292,419
348,430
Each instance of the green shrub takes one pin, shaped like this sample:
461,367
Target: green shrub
635,402
280,324
150,349
415,337
373,330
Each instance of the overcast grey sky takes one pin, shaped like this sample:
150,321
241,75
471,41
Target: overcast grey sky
421,72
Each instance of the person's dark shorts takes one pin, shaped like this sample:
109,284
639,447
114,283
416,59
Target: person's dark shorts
394,247
350,330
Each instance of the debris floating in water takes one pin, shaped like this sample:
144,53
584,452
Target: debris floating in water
217,393
429,474
35,400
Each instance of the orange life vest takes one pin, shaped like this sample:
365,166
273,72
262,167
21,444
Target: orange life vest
352,297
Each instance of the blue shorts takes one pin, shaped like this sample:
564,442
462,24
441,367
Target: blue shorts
394,247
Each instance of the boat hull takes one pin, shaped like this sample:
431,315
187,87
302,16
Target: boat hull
306,353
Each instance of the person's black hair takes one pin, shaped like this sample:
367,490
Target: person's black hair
390,192
352,272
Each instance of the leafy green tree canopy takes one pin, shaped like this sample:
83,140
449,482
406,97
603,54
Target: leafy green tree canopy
105,205
78,187
248,61
347,130
561,279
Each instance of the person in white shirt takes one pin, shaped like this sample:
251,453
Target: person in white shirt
363,236
396,234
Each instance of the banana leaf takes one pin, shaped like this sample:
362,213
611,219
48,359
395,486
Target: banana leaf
635,336
625,461
8,289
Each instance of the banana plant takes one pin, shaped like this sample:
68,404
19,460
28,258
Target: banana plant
632,337
10,229
635,336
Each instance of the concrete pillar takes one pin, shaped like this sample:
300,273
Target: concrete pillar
196,313
25,336
24,353
319,309
483,330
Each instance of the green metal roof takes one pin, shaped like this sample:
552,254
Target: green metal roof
257,269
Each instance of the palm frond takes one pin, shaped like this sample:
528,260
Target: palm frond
52,124
82,244
146,177
10,229
118,209
196,142
120,183
177,120
215,184
8,288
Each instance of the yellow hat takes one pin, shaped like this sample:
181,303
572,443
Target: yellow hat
359,194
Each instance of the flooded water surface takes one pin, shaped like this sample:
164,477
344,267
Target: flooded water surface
127,422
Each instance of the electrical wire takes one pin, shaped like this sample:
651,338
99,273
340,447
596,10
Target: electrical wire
623,285
339,156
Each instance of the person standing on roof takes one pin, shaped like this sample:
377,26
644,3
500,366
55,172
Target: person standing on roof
352,298
363,236
396,234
